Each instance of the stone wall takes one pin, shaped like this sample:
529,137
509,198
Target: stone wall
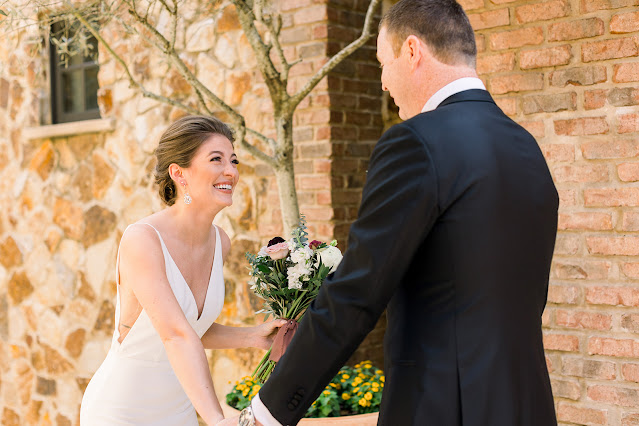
67,199
567,70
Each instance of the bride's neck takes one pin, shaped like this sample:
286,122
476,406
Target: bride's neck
192,225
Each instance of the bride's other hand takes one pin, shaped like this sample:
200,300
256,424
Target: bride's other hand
265,333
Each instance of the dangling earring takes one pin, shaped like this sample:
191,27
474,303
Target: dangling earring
187,197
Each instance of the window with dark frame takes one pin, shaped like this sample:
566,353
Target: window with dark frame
74,73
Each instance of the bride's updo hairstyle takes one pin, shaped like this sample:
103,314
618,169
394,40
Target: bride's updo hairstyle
178,145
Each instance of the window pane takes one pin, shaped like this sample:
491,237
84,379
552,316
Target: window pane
91,88
72,91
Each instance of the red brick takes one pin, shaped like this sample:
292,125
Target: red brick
580,367
581,126
623,96
614,395
628,172
611,197
613,296
550,103
625,73
630,221
545,318
630,419
585,221
318,213
609,49
581,173
561,294
516,38
581,415
613,246
581,76
624,23
536,128
496,63
585,320
594,99
555,152
542,11
575,270
502,84
310,14
489,19
561,342
631,270
628,123
547,57
314,182
324,198
624,348
575,30
565,389
594,5
567,244
480,42
630,322
471,4
567,197
507,105
605,149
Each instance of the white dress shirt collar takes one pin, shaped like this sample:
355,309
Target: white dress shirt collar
459,85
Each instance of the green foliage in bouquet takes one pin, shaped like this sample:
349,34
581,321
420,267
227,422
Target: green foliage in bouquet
354,390
287,275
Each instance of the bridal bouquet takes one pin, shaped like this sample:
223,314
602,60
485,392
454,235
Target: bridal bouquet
287,275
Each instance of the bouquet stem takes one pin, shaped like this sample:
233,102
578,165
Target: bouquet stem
264,368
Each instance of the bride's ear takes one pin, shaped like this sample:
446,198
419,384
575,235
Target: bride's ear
176,173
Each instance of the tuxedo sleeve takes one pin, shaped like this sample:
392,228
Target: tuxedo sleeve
398,208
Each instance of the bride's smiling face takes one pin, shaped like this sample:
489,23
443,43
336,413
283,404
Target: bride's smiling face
213,174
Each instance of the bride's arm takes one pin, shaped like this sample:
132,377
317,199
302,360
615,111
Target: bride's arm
226,337
142,268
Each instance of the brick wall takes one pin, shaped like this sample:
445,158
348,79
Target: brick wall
568,70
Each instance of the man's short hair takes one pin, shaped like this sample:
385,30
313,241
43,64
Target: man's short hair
441,24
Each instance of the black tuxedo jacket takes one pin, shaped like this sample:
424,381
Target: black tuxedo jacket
455,236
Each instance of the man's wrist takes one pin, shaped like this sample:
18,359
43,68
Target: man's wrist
246,417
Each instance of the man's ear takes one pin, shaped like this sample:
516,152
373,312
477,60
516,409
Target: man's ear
414,50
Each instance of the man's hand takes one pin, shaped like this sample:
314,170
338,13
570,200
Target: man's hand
233,421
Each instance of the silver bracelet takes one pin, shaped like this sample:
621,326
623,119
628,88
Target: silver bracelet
247,418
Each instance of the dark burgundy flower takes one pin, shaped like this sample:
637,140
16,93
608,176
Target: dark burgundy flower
315,244
275,240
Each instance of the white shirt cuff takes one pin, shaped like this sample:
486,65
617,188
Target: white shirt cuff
261,413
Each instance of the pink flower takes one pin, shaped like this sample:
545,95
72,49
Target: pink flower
277,251
315,244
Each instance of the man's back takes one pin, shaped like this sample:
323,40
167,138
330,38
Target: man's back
464,343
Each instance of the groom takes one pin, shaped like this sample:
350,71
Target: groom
454,238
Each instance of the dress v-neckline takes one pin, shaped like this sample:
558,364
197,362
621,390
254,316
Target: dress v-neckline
208,285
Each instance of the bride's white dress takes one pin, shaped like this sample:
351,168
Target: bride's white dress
136,385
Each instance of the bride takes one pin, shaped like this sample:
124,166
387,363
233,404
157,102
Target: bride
170,290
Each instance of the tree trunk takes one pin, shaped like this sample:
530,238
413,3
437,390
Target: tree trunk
288,199
285,175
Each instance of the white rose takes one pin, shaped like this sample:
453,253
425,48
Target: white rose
262,252
301,255
330,257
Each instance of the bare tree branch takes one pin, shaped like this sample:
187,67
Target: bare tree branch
367,33
261,50
132,80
